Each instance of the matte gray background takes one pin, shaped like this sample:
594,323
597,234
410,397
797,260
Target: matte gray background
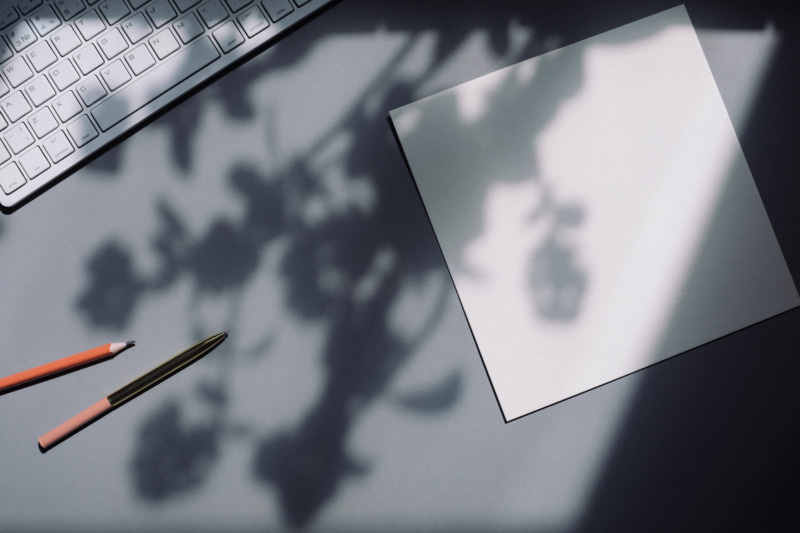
276,204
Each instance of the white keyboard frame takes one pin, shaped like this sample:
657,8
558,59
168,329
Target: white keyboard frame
65,167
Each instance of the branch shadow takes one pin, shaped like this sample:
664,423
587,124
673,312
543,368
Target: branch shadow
372,253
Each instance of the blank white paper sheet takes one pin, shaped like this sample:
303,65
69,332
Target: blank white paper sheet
595,211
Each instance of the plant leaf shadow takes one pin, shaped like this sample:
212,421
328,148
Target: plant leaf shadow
372,255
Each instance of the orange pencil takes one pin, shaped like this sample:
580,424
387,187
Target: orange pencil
62,365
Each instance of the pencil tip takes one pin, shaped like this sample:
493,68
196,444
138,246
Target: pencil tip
130,344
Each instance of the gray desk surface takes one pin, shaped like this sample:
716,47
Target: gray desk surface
275,203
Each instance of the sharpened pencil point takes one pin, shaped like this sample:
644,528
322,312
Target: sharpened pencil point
129,344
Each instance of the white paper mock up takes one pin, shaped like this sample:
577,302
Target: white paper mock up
595,211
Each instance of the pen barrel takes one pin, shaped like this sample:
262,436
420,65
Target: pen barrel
54,367
165,370
75,423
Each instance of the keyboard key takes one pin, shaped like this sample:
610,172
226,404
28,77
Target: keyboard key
3,88
160,13
90,90
137,28
236,5
5,51
4,154
277,9
34,162
82,131
115,75
228,36
45,20
67,106
112,43
90,25
40,91
185,5
16,106
69,8
64,75
114,10
21,36
88,59
140,59
41,56
11,178
58,146
155,83
164,43
212,13
188,28
66,40
18,137
8,16
253,21
26,6
3,125
43,122
301,2
17,72
136,4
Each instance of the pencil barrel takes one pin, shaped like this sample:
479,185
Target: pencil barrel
77,422
54,367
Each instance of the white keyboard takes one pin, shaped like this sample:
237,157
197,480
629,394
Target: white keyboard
77,74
